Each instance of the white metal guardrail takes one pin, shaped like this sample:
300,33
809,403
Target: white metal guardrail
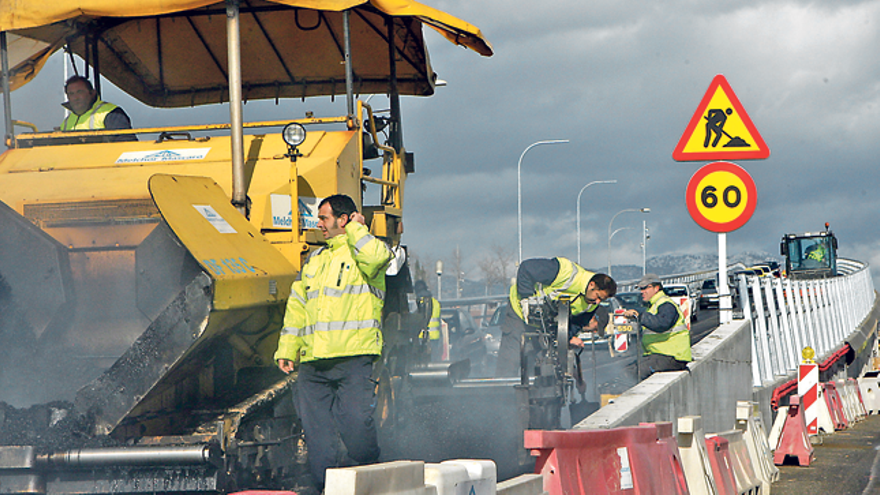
788,315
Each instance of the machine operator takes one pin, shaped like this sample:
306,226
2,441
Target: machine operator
89,113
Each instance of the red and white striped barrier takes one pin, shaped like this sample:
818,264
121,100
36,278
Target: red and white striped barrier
808,390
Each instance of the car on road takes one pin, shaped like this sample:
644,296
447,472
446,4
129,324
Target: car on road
630,300
468,340
682,294
709,294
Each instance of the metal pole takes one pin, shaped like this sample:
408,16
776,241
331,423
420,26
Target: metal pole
609,242
96,64
439,270
233,48
170,455
578,219
7,100
644,247
519,188
349,73
395,133
725,308
595,372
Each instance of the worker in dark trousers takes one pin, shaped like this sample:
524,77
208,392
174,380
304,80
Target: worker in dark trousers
549,278
666,340
426,303
332,329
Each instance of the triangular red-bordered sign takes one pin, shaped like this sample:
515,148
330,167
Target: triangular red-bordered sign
720,129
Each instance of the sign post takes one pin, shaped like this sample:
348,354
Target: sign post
721,196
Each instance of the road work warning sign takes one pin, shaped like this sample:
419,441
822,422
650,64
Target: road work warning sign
720,129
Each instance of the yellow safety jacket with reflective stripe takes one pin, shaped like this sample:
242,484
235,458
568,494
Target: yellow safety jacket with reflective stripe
92,120
434,322
817,254
335,304
571,281
676,342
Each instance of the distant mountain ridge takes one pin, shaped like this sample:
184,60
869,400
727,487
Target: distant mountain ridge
671,264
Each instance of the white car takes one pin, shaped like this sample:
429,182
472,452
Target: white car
685,298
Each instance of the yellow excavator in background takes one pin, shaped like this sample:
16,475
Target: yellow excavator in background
144,281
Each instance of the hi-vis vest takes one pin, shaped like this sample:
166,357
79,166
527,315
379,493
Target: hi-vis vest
92,120
335,304
571,281
676,342
434,322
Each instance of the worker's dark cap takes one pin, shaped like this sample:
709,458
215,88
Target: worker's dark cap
649,279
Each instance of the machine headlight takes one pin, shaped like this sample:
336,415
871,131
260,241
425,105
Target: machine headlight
293,134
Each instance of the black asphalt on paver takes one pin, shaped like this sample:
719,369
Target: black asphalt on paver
846,463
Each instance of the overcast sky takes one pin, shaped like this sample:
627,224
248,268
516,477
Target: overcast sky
620,80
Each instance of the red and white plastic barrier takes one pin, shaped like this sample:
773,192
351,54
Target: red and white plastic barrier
861,407
826,423
835,406
695,457
794,441
869,388
722,465
748,420
741,463
640,459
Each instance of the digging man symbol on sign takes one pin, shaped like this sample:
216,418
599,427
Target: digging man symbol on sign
715,120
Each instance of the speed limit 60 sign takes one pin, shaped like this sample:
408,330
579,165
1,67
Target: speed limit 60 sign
721,197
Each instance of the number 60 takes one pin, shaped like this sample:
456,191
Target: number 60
709,198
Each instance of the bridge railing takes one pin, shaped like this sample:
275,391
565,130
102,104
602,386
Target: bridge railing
788,315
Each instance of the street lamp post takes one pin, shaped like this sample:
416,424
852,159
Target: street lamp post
645,237
612,235
641,210
578,219
439,269
519,188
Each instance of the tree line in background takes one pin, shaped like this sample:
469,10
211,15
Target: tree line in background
494,270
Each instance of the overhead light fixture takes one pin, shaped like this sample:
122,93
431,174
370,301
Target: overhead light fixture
293,134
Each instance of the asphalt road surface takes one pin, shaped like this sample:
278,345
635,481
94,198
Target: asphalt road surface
847,462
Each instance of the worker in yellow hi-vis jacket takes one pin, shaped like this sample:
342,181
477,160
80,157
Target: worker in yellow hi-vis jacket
332,328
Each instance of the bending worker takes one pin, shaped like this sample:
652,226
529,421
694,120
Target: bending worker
332,329
554,277
666,340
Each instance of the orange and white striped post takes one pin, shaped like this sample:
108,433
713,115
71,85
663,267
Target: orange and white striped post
808,390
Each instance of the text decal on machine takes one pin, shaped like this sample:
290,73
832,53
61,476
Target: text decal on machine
163,155
239,265
215,219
